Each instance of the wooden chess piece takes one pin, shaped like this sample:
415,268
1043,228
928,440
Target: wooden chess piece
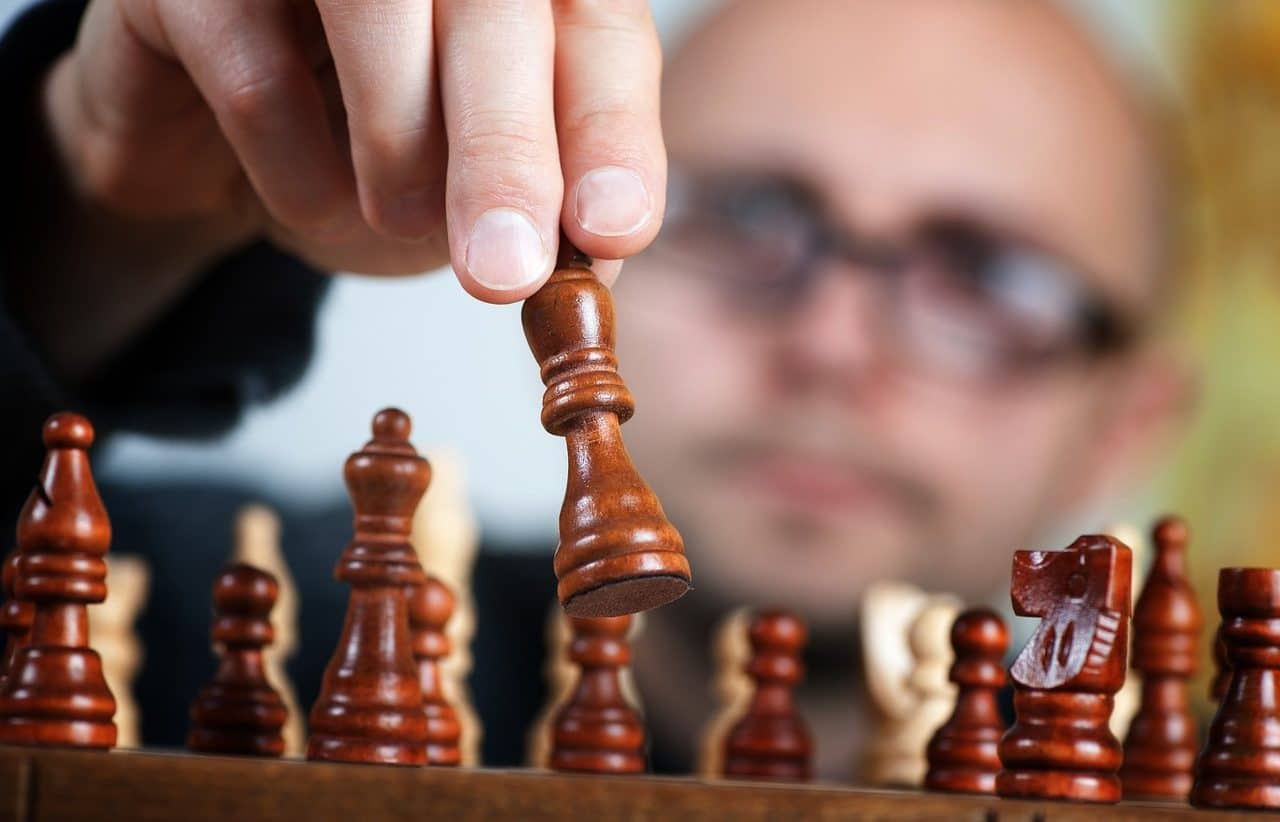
730,687
55,693
370,703
16,616
962,754
618,554
239,712
1239,766
1222,664
113,626
430,606
771,740
597,731
1160,748
1060,746
257,543
560,675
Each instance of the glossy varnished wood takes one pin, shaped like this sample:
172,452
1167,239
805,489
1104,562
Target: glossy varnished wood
1221,668
16,616
239,712
54,692
1066,677
370,703
1239,766
63,785
962,754
430,607
618,554
1160,748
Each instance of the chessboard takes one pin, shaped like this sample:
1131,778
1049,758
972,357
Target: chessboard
39,785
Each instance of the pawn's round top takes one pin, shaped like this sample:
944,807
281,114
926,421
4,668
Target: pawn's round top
245,590
774,628
430,604
1170,532
979,632
1249,592
68,430
391,430
616,626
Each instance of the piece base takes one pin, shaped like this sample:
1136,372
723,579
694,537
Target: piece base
1070,786
626,596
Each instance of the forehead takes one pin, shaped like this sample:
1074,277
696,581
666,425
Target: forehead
895,110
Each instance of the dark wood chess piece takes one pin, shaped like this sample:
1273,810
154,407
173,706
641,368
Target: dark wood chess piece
55,693
16,616
370,703
239,712
597,731
1160,748
430,606
1239,766
618,554
1222,668
962,753
771,741
1066,677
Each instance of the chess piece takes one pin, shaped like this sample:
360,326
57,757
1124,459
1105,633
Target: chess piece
112,624
618,554
430,606
257,543
370,703
1127,700
445,537
771,740
1222,675
559,673
16,616
597,730
962,754
1239,766
239,712
1160,748
54,692
730,687
1060,746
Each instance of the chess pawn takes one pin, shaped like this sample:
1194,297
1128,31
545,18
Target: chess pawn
618,554
771,740
730,687
1160,748
1239,766
1060,746
112,624
1222,664
430,606
370,703
597,730
962,754
55,692
239,712
16,616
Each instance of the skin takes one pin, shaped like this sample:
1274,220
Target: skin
369,136
799,464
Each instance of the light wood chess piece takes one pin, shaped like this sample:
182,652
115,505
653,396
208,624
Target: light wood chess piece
113,629
1129,697
731,688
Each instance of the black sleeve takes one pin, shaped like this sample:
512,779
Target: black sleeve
242,334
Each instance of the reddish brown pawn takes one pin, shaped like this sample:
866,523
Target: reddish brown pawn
55,693
1239,766
962,754
370,704
239,712
16,616
430,606
1222,673
618,554
597,731
771,741
1160,748
1066,677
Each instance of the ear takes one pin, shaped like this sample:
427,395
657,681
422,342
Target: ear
1150,396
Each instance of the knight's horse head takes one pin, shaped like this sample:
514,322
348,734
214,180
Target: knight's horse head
1082,596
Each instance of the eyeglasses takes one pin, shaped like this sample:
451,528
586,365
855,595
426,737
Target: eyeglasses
960,298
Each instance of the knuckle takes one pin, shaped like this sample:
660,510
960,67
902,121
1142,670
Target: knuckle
502,140
255,97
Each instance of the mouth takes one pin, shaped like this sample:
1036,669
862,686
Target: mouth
815,485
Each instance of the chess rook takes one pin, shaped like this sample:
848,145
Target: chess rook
430,606
370,703
597,731
55,692
1060,746
771,740
618,554
1239,766
16,616
239,712
963,755
1160,748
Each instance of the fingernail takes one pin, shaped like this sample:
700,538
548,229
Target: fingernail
612,202
608,270
505,251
